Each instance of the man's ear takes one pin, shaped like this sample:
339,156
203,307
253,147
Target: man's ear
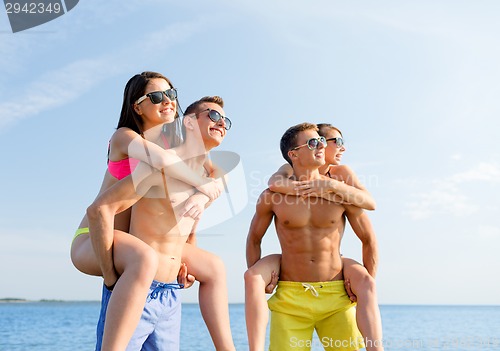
189,121
292,154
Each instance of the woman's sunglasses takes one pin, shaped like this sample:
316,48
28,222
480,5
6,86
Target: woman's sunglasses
338,141
215,116
312,143
157,96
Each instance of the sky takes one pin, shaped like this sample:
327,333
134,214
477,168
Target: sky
413,85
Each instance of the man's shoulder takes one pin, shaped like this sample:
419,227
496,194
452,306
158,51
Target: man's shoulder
268,197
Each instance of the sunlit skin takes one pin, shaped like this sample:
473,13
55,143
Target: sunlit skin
304,258
134,261
309,230
172,227
357,278
333,154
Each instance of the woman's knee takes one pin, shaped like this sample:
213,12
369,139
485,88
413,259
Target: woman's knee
254,277
83,257
142,261
216,265
211,271
364,283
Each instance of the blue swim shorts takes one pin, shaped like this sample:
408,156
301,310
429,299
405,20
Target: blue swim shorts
160,324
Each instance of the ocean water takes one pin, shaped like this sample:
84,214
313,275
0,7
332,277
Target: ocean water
50,326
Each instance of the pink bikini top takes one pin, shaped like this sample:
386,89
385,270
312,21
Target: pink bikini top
123,168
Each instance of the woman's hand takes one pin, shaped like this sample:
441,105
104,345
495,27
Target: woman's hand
195,205
317,187
212,189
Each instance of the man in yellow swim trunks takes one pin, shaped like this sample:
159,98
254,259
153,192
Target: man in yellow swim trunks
310,294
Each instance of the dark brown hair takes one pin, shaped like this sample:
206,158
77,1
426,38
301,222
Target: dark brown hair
289,139
134,89
323,128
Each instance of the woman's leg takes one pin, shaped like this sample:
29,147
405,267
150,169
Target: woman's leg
367,311
209,270
257,279
136,263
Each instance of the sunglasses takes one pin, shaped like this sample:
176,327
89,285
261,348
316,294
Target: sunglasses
338,141
215,116
312,143
158,96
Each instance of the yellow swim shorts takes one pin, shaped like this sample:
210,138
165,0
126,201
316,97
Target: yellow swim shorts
297,309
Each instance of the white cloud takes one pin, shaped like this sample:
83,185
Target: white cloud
64,85
56,88
448,195
438,202
484,172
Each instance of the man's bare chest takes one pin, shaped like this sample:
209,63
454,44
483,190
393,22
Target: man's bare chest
297,212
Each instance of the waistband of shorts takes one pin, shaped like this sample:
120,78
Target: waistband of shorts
299,285
158,288
171,285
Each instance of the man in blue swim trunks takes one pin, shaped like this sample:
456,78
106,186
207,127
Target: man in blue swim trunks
158,220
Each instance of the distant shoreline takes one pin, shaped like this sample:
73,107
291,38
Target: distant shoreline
19,300
15,300
12,300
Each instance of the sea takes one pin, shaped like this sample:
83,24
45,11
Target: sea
60,326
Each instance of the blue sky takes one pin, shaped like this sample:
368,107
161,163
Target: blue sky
414,87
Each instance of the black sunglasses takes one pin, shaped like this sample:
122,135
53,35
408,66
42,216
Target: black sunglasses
312,143
157,96
338,141
215,116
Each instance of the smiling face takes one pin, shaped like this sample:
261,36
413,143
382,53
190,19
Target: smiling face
303,156
211,132
333,154
155,114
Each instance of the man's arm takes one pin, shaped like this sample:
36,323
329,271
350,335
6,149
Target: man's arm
101,214
362,227
260,222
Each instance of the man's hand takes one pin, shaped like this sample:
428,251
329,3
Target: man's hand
274,281
184,277
347,285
